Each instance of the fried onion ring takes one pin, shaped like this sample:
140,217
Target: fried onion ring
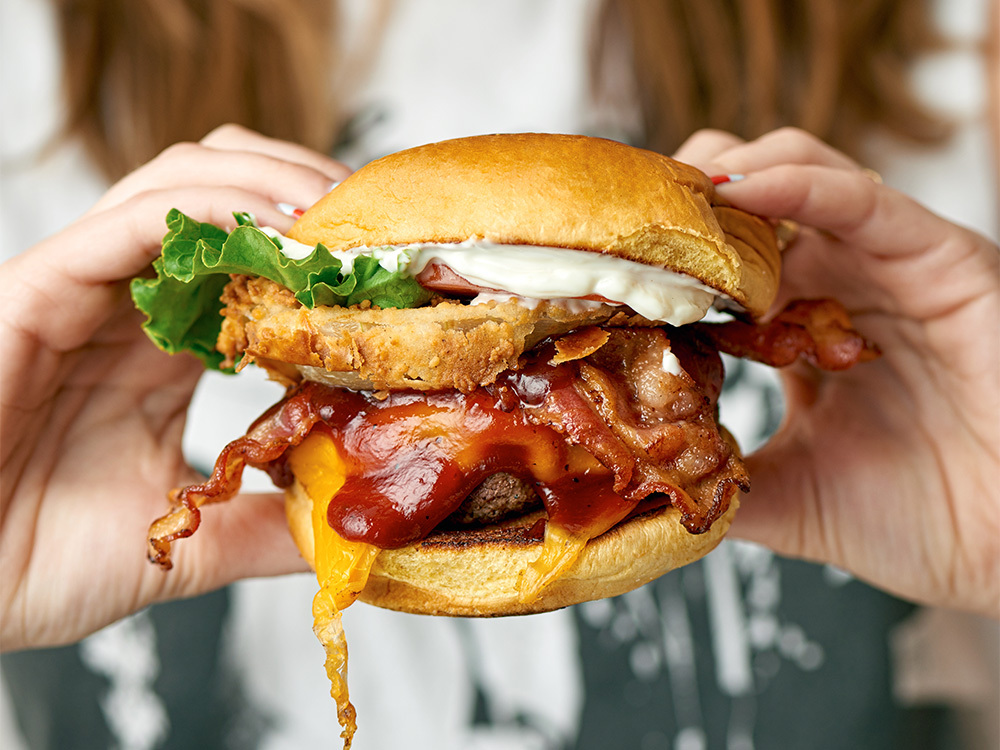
444,345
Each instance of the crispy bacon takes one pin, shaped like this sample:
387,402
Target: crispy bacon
818,331
284,425
605,390
663,426
652,433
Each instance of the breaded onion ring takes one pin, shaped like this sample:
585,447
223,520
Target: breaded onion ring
447,345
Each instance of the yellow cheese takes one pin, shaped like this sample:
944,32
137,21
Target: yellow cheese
342,566
559,551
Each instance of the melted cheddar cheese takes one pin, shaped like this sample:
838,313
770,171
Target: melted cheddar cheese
342,567
560,549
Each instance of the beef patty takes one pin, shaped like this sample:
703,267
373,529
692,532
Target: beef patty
499,497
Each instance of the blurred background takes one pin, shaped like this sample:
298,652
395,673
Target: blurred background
741,650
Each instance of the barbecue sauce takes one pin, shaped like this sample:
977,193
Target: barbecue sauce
412,458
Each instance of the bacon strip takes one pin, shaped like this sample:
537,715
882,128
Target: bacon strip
645,431
818,331
659,430
284,425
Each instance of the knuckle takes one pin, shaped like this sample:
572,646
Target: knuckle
713,133
791,137
711,136
179,150
141,199
225,132
793,132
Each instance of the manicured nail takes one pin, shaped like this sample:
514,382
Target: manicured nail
289,210
722,179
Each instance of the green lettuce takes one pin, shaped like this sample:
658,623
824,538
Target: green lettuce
182,304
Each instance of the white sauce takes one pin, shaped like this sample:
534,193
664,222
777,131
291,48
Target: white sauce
670,363
532,273
289,247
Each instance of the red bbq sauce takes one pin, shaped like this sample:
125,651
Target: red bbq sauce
412,459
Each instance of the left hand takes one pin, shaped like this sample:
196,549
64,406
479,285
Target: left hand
889,470
92,413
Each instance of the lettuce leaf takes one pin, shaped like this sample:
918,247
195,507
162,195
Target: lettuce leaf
182,305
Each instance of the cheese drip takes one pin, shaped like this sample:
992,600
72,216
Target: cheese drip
342,566
560,549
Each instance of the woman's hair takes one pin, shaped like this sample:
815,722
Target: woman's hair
142,74
837,68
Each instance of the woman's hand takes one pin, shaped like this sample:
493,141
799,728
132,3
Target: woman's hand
92,412
890,470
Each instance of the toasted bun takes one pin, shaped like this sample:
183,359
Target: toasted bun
475,573
558,191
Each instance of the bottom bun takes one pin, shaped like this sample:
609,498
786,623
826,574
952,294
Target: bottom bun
474,573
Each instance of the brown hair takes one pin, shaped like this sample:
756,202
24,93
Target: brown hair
837,68
142,74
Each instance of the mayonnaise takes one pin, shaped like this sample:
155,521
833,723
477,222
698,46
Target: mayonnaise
549,273
670,363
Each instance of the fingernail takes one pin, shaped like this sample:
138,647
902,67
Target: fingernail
289,210
722,179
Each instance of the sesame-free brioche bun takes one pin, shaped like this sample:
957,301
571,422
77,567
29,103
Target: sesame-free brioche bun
475,573
563,191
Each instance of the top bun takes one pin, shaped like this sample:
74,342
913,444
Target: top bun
559,191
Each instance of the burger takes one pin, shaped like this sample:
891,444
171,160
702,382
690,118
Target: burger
502,394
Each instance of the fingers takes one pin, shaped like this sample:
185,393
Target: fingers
193,165
67,286
776,521
783,146
875,248
718,153
237,138
284,172
64,288
116,245
704,145
844,203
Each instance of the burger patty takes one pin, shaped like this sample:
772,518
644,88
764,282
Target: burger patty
499,497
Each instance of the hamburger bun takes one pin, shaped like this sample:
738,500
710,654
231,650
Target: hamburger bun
475,574
562,191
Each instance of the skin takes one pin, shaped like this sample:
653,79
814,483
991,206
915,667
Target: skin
888,470
92,413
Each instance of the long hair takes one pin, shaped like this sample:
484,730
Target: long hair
837,68
142,74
